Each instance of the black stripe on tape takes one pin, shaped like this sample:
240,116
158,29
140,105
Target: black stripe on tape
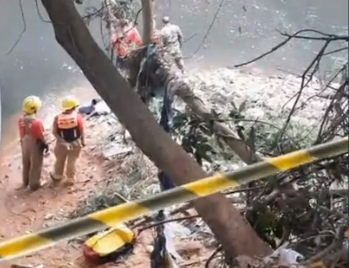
73,229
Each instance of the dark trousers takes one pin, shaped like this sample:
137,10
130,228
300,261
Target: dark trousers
120,62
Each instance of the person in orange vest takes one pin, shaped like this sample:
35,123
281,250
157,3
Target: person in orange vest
68,129
132,36
122,43
33,143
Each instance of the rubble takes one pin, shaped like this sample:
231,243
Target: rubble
263,97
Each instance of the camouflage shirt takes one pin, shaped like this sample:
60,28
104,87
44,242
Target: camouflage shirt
170,35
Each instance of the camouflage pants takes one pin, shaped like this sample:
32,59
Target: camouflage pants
176,54
179,63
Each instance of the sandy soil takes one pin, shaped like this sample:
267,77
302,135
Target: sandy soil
24,211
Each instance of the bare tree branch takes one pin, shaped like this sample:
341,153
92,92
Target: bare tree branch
24,28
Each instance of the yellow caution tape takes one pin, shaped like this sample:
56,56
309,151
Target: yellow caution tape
110,217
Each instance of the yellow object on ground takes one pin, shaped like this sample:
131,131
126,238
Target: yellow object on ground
111,241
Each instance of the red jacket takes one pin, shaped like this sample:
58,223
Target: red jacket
131,40
35,128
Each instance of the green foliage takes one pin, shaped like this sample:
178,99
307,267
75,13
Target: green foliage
198,139
267,225
126,9
264,136
193,135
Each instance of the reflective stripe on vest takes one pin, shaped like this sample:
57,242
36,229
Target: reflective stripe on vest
67,125
67,121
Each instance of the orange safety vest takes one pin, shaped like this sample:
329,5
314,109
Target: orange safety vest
68,126
131,41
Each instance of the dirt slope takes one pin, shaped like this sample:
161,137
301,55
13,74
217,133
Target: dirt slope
24,211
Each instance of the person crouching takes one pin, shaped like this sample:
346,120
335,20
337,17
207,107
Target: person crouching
68,129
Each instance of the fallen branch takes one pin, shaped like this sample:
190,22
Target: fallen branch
157,72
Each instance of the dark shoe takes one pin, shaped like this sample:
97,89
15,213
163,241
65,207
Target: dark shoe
35,187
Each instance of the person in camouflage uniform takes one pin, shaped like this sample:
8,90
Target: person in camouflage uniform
172,39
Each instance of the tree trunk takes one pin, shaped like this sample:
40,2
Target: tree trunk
236,236
147,12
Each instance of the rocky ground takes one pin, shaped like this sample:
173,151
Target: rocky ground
264,96
108,166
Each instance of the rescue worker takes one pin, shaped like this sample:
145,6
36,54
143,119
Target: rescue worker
68,129
172,40
33,143
122,43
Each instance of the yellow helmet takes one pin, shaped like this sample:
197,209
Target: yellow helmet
69,103
31,104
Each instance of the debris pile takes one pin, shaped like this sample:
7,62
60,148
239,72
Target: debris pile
262,97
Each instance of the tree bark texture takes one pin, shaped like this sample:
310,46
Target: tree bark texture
235,235
147,14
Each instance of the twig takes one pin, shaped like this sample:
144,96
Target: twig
213,255
166,221
24,28
135,22
273,126
327,37
39,13
336,51
328,83
315,62
208,29
244,190
191,263
329,108
96,12
335,244
189,38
